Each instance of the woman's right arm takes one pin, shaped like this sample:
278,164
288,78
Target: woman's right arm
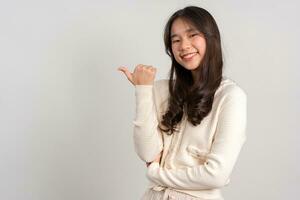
147,139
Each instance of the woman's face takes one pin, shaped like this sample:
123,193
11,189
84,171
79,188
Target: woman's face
188,44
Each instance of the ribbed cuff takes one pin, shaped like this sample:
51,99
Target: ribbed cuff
142,91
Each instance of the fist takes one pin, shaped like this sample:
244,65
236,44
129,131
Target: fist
142,74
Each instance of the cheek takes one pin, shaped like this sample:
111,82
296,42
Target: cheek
202,48
201,44
175,51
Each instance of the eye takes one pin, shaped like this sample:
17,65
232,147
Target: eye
175,41
194,34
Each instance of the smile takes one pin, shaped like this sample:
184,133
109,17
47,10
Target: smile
188,56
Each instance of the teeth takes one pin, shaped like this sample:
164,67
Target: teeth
188,55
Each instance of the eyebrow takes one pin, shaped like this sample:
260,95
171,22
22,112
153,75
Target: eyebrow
187,31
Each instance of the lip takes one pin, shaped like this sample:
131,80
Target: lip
188,56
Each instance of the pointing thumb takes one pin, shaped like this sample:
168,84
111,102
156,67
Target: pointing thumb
127,73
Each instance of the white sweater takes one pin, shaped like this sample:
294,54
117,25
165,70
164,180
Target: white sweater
197,160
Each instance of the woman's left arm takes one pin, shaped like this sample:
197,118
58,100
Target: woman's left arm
228,141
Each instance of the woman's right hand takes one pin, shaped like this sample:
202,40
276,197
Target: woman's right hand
142,74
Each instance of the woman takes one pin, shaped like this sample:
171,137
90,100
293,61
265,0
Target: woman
189,129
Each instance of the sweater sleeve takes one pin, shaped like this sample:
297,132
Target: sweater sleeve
228,140
147,138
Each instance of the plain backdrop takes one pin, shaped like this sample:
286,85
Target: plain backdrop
66,112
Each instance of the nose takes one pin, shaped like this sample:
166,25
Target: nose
185,44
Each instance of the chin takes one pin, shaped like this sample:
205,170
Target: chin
191,68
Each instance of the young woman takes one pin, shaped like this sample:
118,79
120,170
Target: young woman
189,129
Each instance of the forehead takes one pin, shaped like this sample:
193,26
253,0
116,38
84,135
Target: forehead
181,26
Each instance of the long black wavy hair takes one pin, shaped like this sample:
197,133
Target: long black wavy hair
193,96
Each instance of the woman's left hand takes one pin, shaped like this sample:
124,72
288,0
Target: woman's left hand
157,159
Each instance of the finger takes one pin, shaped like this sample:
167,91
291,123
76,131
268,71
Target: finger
122,68
139,67
127,73
152,69
148,163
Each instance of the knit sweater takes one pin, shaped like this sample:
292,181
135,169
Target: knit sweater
197,160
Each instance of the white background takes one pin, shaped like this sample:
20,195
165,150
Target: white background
66,112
